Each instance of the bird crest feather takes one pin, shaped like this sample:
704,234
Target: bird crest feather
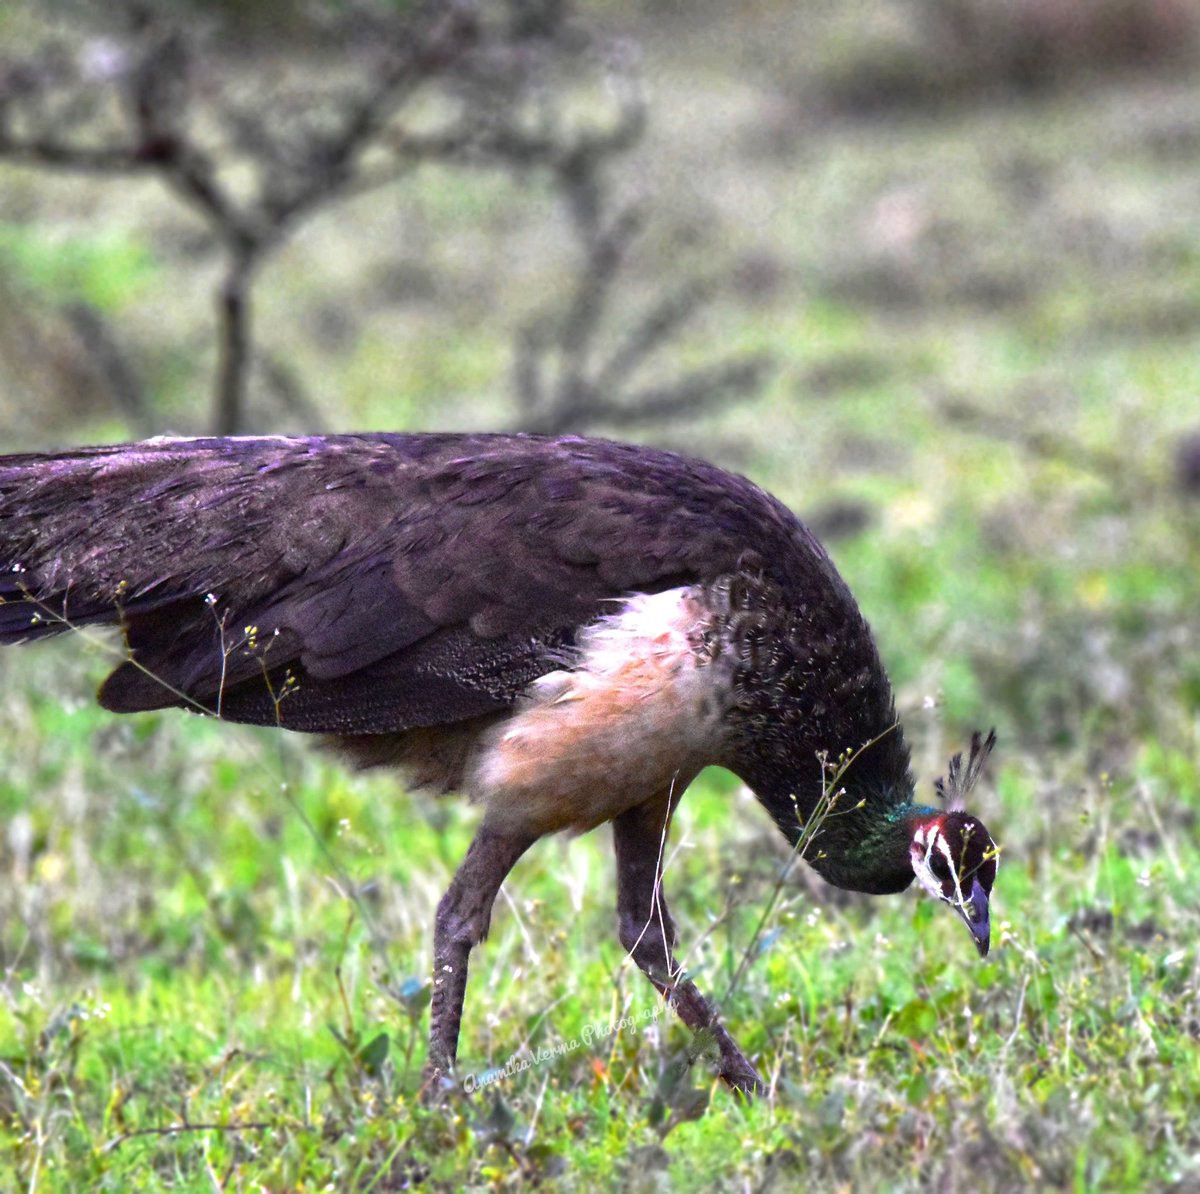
959,780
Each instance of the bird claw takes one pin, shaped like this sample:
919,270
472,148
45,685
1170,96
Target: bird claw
738,1074
735,1070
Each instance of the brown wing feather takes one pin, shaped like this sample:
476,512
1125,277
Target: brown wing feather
398,580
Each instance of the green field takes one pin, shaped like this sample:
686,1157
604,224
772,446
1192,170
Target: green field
985,325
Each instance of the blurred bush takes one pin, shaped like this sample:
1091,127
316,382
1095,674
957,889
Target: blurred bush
925,52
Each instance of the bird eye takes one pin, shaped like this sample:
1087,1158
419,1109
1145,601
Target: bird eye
940,868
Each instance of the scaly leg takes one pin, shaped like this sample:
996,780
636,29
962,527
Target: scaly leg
648,933
463,916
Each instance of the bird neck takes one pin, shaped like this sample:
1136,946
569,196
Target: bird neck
855,826
867,848
806,681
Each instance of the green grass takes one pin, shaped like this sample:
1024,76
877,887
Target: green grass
215,943
250,992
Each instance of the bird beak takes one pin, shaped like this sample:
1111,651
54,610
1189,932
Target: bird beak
975,914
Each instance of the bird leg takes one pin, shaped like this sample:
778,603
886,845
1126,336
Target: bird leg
463,916
648,933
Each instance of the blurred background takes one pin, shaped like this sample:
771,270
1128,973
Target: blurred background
927,269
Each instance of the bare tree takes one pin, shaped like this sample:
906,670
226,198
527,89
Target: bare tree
142,96
562,381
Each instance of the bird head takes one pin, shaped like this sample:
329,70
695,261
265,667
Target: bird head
953,856
954,859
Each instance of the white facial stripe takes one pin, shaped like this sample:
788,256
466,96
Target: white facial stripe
922,848
943,848
924,842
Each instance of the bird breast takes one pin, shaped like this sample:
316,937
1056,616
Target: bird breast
641,709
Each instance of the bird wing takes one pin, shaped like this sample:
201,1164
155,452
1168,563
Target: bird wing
361,584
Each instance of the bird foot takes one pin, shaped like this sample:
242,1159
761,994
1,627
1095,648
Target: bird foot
735,1070
738,1074
438,1085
